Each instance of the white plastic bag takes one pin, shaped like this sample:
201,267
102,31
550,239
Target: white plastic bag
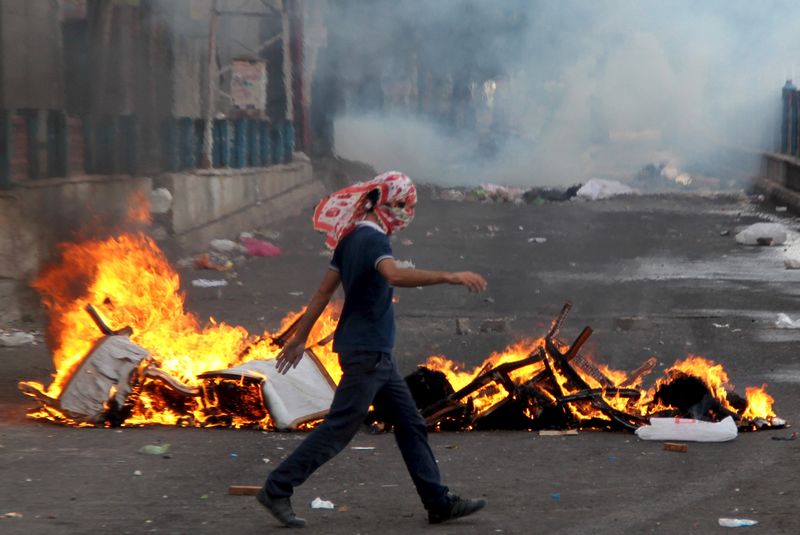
598,188
688,429
763,234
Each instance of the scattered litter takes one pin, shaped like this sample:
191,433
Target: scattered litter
725,232
319,503
213,261
154,449
265,460
785,322
137,472
363,448
296,294
498,193
763,234
15,339
793,436
792,261
688,429
407,242
722,325
537,240
208,283
736,522
204,497
463,326
612,457
489,300
226,246
781,208
556,496
256,247
243,490
598,188
557,432
493,228
234,456
405,264
12,515
675,446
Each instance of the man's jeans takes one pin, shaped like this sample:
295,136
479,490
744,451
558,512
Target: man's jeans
368,377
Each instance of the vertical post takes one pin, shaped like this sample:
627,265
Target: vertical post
5,149
208,139
253,146
793,123
31,118
787,94
264,153
239,144
287,61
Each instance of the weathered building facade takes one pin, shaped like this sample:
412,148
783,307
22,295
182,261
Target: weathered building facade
100,99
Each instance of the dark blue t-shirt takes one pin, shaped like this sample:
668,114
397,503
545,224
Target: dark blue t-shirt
367,320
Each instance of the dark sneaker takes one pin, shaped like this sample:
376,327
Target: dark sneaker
281,509
458,507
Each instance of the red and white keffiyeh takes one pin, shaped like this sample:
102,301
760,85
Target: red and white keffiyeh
338,214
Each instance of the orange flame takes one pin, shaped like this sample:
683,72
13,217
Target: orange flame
130,283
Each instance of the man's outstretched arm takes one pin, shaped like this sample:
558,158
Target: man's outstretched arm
411,278
291,354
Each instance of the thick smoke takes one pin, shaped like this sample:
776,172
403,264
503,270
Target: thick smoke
581,89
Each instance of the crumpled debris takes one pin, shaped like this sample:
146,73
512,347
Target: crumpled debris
763,234
499,193
599,188
16,339
256,247
154,449
213,261
319,503
405,264
785,322
736,522
209,283
12,515
226,247
792,261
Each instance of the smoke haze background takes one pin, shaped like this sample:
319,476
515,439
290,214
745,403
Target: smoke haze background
584,89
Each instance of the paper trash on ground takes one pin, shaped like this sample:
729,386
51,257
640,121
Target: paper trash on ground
763,234
319,503
598,188
785,322
301,395
688,429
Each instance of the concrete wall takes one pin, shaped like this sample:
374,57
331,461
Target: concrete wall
780,179
35,216
223,203
31,69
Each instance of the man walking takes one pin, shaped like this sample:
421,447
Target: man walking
357,221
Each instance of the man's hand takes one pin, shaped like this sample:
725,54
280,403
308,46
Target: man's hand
290,356
473,281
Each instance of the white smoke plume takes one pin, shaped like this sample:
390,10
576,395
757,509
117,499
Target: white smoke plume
581,89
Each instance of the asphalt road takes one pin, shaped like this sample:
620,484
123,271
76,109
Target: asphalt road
651,275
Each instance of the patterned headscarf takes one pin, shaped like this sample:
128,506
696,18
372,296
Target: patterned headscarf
338,214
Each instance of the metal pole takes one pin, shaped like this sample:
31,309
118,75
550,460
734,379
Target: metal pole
206,162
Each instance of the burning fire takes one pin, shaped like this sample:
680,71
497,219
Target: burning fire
130,283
